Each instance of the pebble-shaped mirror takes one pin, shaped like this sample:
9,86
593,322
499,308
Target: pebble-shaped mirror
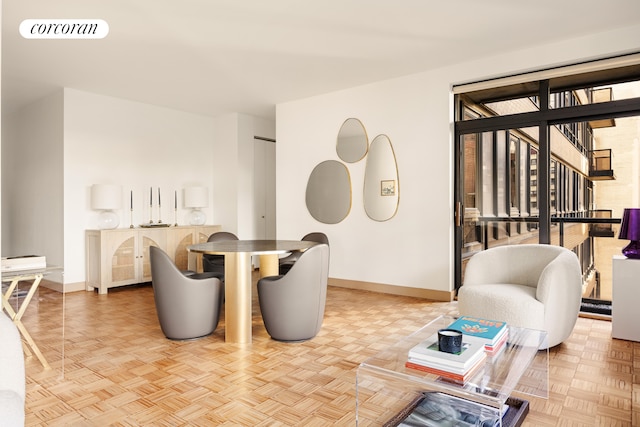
352,143
381,185
328,194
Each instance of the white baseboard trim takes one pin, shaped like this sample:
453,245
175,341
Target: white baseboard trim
63,288
430,294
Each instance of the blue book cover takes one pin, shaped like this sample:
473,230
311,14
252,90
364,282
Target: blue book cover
489,330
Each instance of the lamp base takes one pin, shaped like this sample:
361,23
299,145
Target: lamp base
632,250
197,217
108,220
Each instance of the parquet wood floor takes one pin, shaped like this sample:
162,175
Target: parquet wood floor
112,366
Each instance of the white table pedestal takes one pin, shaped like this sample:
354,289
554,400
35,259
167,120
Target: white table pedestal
625,305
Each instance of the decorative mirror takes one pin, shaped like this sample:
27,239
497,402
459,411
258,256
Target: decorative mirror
381,185
329,192
352,143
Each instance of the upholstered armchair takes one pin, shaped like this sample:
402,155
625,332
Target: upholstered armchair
215,263
293,305
529,286
287,262
188,306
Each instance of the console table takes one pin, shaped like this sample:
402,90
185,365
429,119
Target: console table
385,387
120,256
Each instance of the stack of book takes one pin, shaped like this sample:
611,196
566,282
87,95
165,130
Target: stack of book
458,367
492,333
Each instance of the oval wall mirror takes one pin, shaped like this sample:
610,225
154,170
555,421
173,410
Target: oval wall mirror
352,143
328,194
381,185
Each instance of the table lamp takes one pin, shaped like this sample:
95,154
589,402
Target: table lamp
196,198
106,198
630,230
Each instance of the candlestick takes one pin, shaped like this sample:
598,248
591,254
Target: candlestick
175,207
150,205
159,208
131,214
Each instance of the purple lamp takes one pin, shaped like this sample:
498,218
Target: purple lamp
630,230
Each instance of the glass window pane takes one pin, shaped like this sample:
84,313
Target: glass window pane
501,173
533,181
487,174
524,174
553,167
514,168
470,170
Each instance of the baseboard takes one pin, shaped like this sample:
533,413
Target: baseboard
63,288
340,283
430,294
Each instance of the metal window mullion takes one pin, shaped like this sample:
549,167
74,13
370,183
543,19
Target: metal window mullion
544,160
494,165
604,110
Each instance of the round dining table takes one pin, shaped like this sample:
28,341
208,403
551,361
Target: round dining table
237,273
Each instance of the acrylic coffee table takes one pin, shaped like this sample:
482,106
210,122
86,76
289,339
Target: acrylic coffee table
385,388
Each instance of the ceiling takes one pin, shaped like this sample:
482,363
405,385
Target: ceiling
219,56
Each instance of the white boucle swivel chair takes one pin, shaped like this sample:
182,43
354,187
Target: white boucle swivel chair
529,286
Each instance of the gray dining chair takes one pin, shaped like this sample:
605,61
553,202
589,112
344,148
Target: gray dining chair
187,306
215,263
293,304
285,263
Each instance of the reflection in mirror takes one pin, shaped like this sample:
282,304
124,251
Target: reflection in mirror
381,185
352,143
329,192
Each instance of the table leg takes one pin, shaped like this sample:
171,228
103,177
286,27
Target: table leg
194,262
237,313
269,265
17,316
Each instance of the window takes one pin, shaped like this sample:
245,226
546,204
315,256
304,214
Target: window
529,141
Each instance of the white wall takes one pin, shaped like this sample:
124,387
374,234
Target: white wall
138,146
415,248
32,192
225,165
412,112
233,187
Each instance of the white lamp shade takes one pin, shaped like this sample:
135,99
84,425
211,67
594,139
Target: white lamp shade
196,197
106,196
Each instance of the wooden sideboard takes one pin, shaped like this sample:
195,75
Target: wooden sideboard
120,256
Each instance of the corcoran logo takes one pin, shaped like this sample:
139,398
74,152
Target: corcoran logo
64,29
